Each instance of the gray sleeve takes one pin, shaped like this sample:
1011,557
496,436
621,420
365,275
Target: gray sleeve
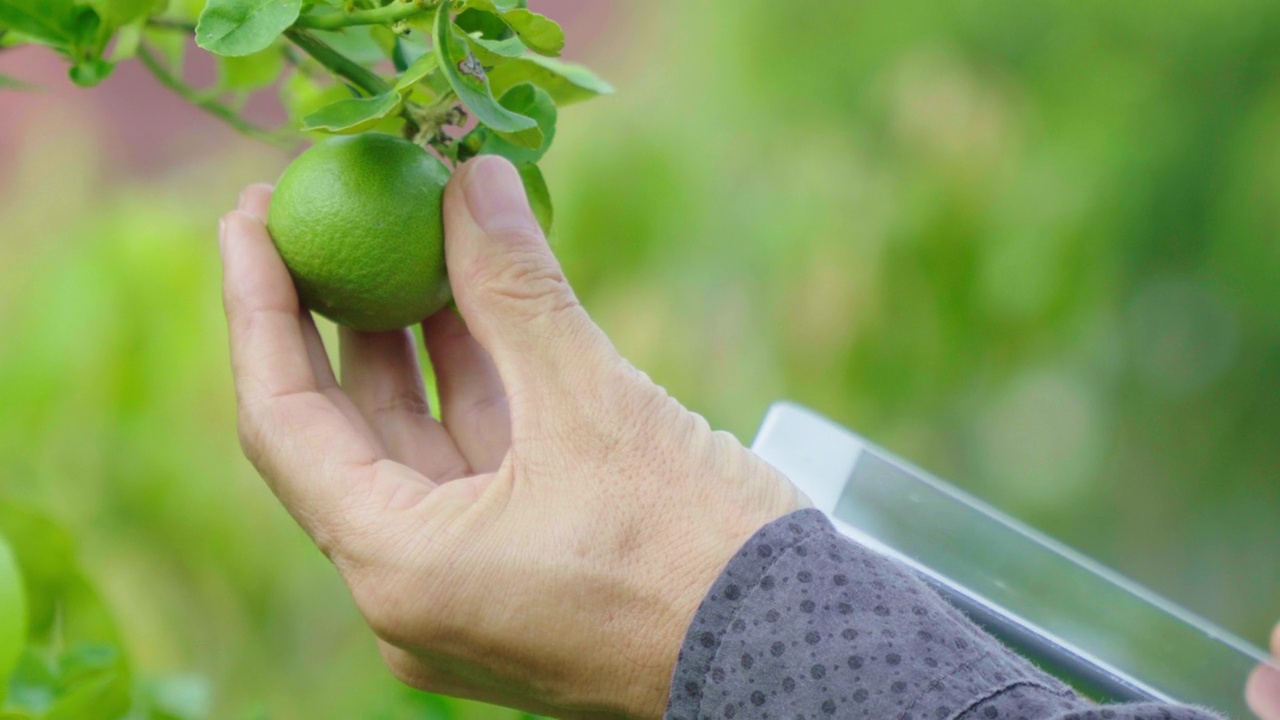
804,623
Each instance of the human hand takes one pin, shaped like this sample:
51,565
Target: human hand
546,543
1263,688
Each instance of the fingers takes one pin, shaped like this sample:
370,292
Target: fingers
381,375
311,454
509,286
256,201
1263,688
269,352
1263,692
473,403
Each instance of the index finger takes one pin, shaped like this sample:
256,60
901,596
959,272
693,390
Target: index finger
316,461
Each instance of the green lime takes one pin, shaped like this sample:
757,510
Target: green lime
358,222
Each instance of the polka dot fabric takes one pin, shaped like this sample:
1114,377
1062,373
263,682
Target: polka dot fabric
804,623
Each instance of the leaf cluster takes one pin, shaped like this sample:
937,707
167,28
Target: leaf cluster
80,30
61,655
464,77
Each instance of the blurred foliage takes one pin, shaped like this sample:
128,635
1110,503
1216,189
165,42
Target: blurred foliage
1031,246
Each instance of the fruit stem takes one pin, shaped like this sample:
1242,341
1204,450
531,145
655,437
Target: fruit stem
377,16
210,105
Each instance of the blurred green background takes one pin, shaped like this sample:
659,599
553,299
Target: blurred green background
1033,247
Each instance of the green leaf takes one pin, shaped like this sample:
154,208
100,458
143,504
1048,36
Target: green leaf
88,73
33,686
540,33
495,52
127,40
529,101
86,660
44,553
353,115
489,26
251,72
90,35
535,186
172,46
467,77
97,693
301,95
243,27
359,43
416,71
117,13
567,83
63,608
494,6
45,21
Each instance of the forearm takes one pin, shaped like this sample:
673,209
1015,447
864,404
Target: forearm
804,622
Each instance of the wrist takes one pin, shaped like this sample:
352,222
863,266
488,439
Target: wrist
687,573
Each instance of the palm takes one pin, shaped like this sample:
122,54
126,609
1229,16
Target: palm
378,417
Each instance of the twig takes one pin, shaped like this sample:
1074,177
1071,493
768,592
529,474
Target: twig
210,105
171,24
300,64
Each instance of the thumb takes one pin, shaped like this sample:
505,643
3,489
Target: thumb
509,286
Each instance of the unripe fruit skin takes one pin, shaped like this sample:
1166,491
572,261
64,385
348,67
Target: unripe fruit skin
358,222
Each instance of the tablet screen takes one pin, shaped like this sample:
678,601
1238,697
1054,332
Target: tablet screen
1110,638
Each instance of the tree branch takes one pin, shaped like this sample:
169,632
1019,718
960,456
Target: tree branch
210,105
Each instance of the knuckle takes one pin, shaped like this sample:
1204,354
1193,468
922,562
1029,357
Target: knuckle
486,406
405,402
527,279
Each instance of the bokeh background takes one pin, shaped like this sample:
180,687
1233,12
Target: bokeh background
1033,247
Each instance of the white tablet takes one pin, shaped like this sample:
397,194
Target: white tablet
1093,628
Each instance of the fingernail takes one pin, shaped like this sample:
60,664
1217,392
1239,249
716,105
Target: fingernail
495,195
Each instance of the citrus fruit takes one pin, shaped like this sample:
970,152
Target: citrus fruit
357,220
